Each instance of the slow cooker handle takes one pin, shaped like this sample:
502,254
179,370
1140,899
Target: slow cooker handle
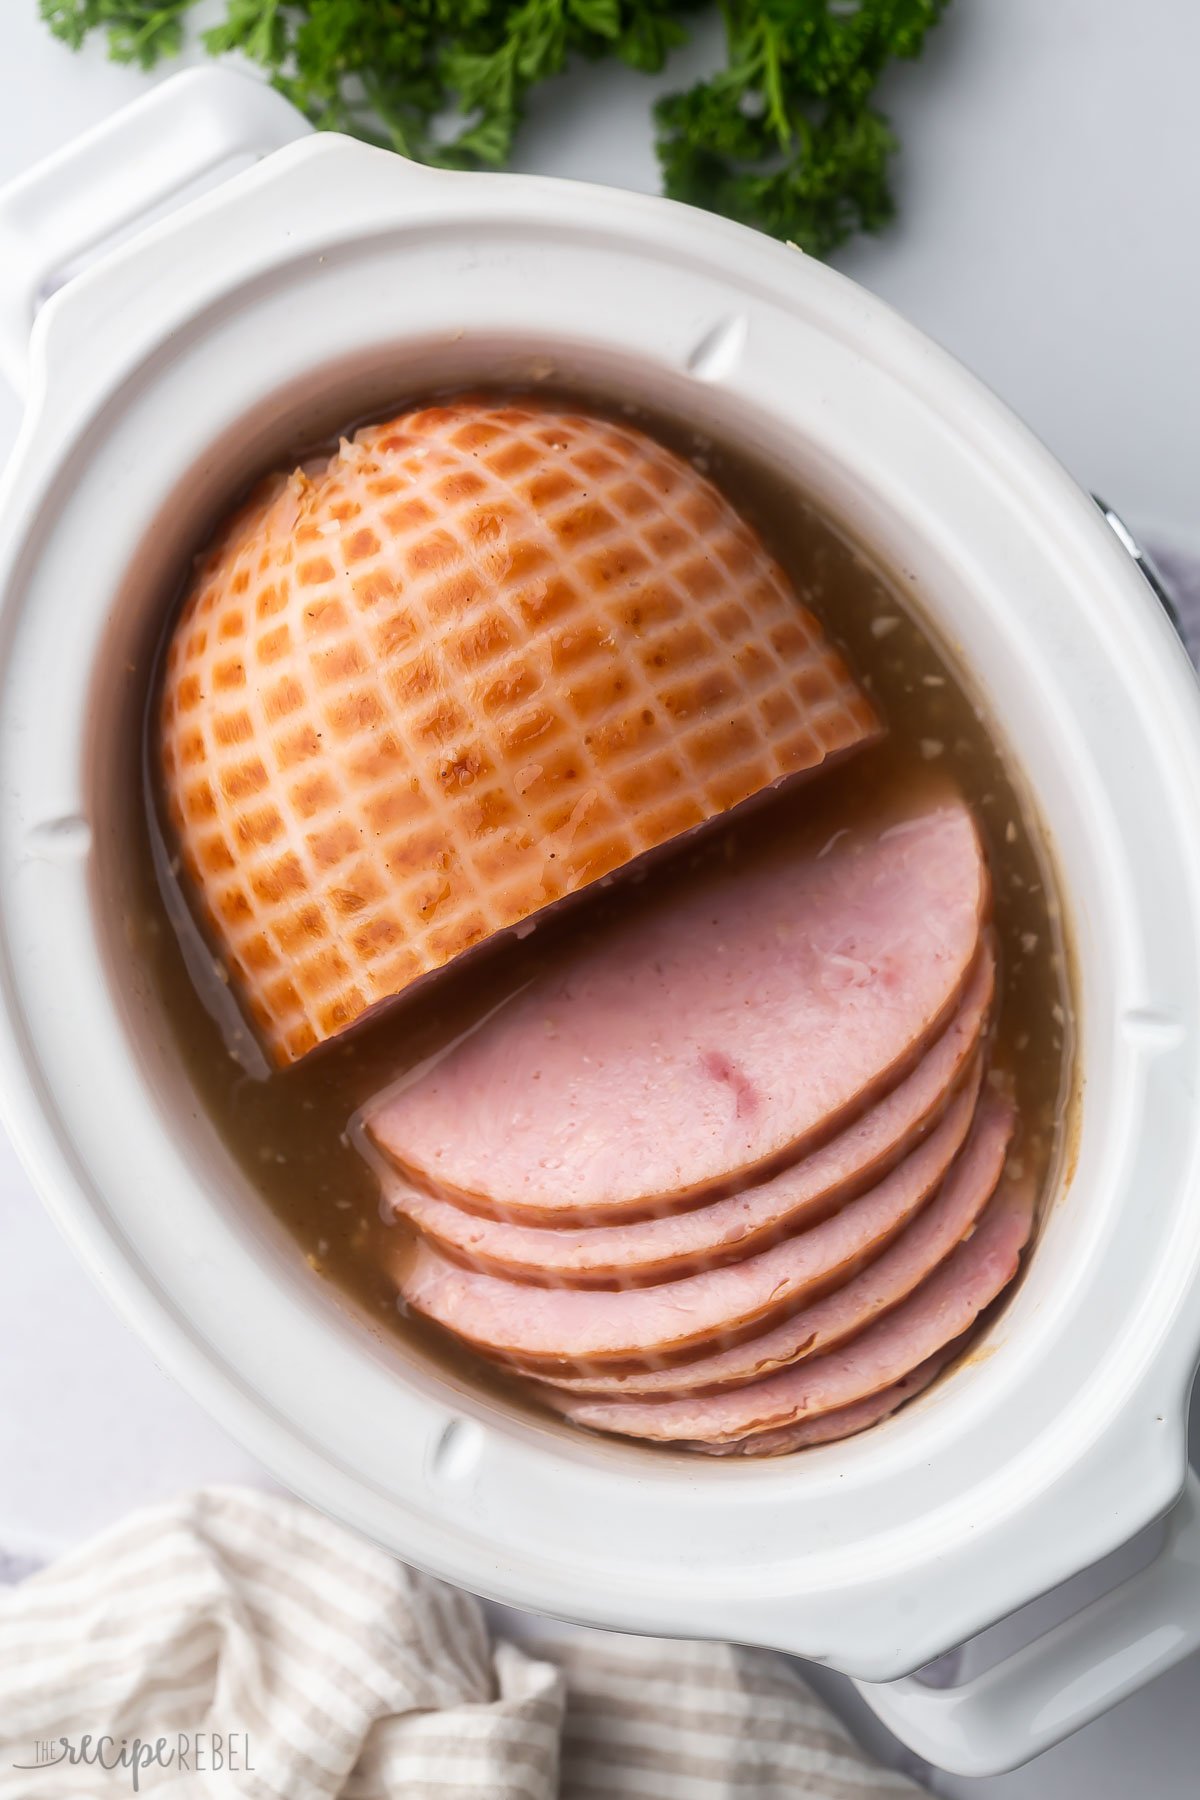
1050,1688
127,167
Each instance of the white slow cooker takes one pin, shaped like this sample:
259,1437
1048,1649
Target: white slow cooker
303,291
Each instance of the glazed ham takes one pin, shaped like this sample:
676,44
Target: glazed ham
567,1327
484,657
730,1170
838,1317
801,1195
940,1311
711,1039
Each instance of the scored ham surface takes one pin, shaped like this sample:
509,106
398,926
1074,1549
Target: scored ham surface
843,1422
800,1196
839,1316
564,1326
709,1039
944,1307
487,655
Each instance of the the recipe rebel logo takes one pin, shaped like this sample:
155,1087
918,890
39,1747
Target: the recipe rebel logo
182,1753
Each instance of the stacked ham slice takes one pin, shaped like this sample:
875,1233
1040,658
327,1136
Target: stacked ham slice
735,1175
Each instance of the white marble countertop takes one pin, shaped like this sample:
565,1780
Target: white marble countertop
1050,190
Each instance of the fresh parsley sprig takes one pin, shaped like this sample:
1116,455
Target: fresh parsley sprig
786,136
139,31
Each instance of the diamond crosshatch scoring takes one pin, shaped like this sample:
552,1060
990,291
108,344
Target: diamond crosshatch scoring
488,654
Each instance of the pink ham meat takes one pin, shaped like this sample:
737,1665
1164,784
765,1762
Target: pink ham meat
846,1421
839,1316
709,1039
564,1326
652,1250
941,1310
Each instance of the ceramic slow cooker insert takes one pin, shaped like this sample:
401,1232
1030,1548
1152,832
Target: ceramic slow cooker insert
301,292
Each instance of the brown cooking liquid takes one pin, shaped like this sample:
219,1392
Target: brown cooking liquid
289,1128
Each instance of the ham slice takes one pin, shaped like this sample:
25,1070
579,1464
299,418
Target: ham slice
563,1326
841,1315
705,1042
941,1310
844,1422
653,1250
486,655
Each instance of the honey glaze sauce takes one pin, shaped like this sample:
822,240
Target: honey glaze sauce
290,1129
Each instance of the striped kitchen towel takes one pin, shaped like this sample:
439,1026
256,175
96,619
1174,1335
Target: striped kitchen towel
239,1644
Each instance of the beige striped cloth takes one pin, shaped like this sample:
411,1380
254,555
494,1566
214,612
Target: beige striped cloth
239,1644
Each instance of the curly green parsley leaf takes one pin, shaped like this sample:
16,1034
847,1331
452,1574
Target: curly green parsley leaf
785,136
139,31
